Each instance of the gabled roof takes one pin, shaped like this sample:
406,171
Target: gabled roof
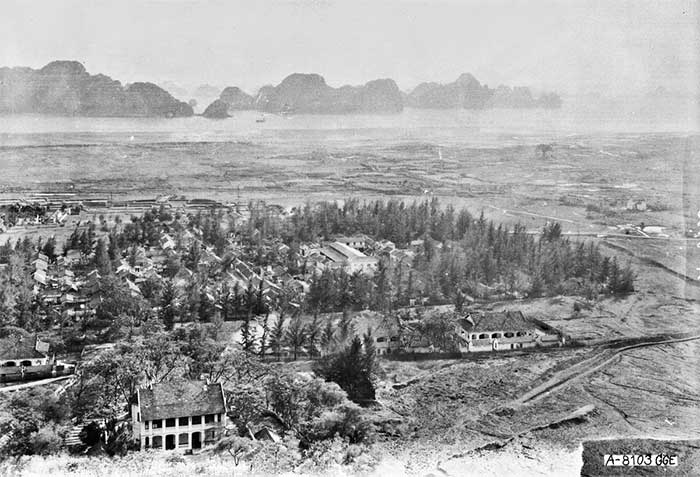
497,321
180,399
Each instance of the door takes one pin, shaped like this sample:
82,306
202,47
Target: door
170,442
196,440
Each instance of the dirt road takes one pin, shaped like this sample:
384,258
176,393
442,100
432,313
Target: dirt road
590,365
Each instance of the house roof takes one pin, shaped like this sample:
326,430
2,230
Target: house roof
16,343
497,321
346,251
180,399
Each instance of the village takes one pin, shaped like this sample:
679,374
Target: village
277,285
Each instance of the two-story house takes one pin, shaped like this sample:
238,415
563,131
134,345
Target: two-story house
178,415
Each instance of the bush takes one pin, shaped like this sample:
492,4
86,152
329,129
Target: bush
47,440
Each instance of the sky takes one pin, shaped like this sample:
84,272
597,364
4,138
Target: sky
611,47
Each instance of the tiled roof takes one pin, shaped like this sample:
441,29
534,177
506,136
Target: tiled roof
180,399
497,321
16,343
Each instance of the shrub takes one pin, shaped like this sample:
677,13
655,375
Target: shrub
47,440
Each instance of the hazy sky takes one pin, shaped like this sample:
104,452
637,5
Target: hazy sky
572,46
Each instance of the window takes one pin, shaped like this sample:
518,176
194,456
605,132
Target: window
157,424
381,339
495,335
508,334
183,440
148,442
148,424
520,333
211,434
196,419
157,442
394,338
26,363
183,421
170,422
209,418
483,336
474,337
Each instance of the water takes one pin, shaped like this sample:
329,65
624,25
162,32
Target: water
485,128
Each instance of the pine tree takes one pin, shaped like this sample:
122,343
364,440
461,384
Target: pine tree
247,336
313,334
277,335
168,307
295,337
265,337
102,261
328,339
346,328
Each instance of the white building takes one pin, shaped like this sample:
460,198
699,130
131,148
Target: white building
498,331
178,415
352,260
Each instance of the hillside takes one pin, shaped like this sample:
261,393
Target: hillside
65,88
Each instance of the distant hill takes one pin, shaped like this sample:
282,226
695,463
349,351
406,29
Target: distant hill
65,88
466,92
309,93
231,98
217,110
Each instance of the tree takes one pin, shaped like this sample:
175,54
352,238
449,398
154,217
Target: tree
247,336
551,231
168,305
102,261
543,149
313,334
296,337
328,339
35,420
352,369
346,328
237,447
49,248
277,335
314,410
264,337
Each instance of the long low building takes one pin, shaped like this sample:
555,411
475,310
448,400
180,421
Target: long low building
496,331
352,260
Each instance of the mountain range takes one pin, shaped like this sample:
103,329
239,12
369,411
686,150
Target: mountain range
66,88
309,93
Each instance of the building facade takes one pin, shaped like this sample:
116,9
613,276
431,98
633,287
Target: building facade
500,331
182,415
